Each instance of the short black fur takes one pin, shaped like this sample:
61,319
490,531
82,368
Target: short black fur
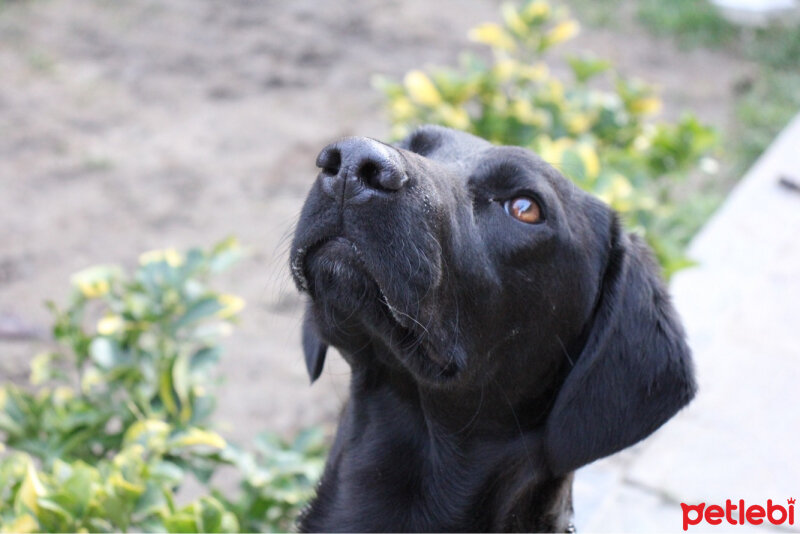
490,357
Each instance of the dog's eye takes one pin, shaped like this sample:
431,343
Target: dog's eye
523,209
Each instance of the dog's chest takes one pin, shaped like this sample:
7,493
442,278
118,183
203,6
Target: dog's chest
395,477
413,488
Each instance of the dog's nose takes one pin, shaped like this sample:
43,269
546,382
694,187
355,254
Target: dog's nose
360,165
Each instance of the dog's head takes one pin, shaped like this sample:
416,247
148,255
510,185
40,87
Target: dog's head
459,263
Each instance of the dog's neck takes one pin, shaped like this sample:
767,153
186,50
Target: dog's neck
402,445
481,406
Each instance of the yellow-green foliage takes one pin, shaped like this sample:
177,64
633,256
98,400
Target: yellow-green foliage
604,140
120,413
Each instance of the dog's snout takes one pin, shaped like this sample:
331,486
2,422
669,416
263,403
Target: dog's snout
359,165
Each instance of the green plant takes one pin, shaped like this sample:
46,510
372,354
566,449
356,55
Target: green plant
765,101
603,140
762,112
699,23
278,479
764,105
120,412
134,489
694,22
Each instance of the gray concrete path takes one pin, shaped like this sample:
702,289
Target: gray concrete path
740,438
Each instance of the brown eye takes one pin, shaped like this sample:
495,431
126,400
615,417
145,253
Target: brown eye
524,209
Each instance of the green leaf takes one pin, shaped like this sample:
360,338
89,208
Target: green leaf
194,262
19,408
42,368
183,521
199,310
100,524
95,282
229,523
208,515
310,440
125,489
10,426
166,393
53,517
104,352
181,385
77,489
168,472
150,433
31,490
116,511
586,68
235,455
22,523
224,254
202,409
204,360
152,523
194,437
137,305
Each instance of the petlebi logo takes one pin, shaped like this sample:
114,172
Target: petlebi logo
738,513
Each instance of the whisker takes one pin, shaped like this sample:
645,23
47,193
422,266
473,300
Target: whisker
475,415
563,348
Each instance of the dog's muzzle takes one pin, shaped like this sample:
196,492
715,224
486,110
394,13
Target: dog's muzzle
354,172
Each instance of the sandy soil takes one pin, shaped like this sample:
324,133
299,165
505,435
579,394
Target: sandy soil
127,126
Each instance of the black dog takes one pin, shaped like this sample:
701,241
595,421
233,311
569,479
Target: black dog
502,331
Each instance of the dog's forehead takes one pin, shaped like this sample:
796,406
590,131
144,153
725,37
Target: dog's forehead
523,160
472,155
446,146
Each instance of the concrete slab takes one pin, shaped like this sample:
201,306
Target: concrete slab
741,306
757,12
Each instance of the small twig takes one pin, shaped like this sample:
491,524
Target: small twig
792,184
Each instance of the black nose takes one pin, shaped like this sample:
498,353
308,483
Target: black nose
359,165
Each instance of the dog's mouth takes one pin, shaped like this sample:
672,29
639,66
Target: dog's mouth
332,259
333,272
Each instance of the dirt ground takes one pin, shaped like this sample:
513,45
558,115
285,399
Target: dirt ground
132,125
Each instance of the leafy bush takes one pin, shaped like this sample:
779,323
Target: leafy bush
120,413
774,47
604,140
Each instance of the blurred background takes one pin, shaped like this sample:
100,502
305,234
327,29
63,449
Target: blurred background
128,126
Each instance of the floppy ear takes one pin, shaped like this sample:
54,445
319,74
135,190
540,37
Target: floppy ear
634,372
313,347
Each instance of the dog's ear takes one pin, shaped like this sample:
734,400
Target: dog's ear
314,348
634,371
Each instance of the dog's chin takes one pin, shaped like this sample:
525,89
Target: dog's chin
334,276
337,279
